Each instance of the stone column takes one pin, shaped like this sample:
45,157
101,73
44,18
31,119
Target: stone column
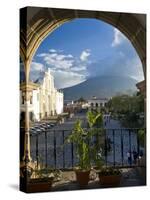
28,93
26,166
27,155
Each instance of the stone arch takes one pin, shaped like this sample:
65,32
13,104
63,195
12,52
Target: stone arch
37,23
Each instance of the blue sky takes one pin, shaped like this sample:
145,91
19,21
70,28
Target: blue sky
85,48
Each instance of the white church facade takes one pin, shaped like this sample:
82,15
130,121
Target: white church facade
45,100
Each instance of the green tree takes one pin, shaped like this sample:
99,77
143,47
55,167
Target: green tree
128,109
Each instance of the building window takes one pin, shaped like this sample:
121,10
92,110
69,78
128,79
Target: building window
31,100
45,114
31,116
40,115
23,99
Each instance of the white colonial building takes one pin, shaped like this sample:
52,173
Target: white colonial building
97,102
46,100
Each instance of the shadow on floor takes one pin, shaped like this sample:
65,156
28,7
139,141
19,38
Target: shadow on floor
14,186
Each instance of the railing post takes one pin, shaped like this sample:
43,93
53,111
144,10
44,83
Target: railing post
114,148
37,151
72,154
122,156
55,162
130,150
138,143
105,146
63,135
45,148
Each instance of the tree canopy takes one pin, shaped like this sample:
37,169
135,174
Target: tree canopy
129,109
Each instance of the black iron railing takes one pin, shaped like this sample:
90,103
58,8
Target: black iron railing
121,148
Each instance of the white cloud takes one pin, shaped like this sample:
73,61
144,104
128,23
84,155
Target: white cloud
121,54
65,79
84,55
135,69
41,55
57,60
35,66
118,38
67,69
79,68
36,70
52,51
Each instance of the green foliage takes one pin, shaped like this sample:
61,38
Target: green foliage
109,171
81,137
78,137
128,109
81,100
141,136
94,119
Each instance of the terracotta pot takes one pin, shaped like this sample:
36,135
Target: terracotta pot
111,180
39,185
82,177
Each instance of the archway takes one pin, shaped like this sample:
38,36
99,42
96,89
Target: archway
37,23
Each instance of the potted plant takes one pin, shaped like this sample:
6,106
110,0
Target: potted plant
109,176
43,180
81,138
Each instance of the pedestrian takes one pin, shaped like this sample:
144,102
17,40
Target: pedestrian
140,154
135,156
129,157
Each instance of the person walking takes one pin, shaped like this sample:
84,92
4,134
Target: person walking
135,156
129,157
